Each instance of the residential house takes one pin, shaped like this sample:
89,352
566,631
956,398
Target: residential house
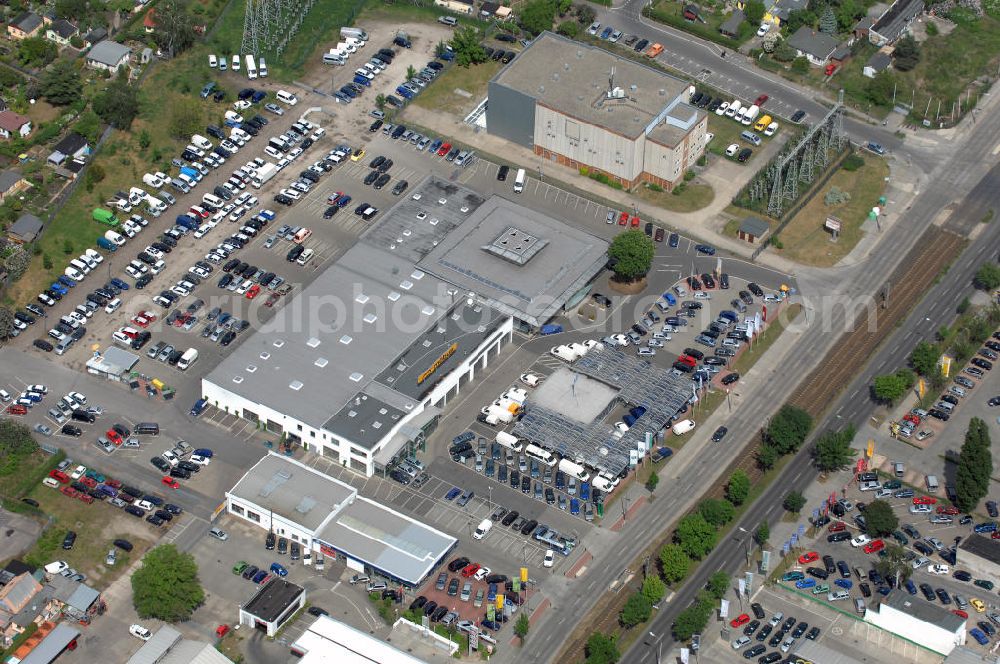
79,601
488,9
27,25
166,646
11,184
780,10
504,13
891,25
14,125
817,47
840,55
15,595
45,645
95,36
457,6
731,26
25,229
863,27
61,31
72,146
879,62
149,21
108,55
690,12
753,230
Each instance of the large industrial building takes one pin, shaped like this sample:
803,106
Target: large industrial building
329,519
980,555
358,366
923,623
584,107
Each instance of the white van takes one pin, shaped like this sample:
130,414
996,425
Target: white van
286,97
80,265
111,236
305,257
263,74
236,63
482,529
519,181
564,353
574,469
605,483
201,142
683,427
152,180
536,452
213,201
74,274
509,441
189,357
334,58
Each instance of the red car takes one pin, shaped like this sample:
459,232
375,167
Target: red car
924,500
837,527
68,491
960,613
114,484
113,436
995,535
687,359
59,475
89,482
635,221
253,292
740,620
17,409
623,219
333,197
198,212
910,417
87,498
874,546
170,482
444,149
470,569
180,320
271,299
808,557
760,100
947,509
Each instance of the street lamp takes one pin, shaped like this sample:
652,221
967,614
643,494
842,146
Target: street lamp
746,543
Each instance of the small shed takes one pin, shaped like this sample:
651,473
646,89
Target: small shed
25,229
879,62
691,12
753,229
731,26
114,364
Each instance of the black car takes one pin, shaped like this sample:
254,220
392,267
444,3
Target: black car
418,603
511,516
457,564
318,612
758,611
384,166
123,544
764,632
69,540
798,115
719,434
943,596
173,509
161,464
189,466
776,638
730,378
70,430
164,514
42,344
502,173
529,527
928,592
382,181
375,126
155,520
371,177
991,507
751,628
439,613
962,575
135,511
180,473
453,587
800,629
640,45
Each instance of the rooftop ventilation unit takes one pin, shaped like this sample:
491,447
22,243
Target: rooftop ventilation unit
321,362
296,385
278,343
370,318
393,296
313,342
361,298
265,355
406,285
237,379
427,310
346,339
416,275
251,368
356,377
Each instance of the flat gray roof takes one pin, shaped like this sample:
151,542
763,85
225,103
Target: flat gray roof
108,53
390,542
152,651
328,640
273,599
532,288
53,644
819,653
577,397
984,547
327,344
924,611
671,134
573,78
293,490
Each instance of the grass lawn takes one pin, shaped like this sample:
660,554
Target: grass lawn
441,95
694,197
96,525
727,131
804,238
671,13
764,342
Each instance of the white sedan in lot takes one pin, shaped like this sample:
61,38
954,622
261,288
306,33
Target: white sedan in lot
860,541
940,570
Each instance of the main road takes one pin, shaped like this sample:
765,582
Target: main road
962,170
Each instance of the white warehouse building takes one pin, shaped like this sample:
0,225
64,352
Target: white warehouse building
923,623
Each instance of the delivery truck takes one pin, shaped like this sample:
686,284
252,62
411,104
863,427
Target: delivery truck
264,173
357,33
106,217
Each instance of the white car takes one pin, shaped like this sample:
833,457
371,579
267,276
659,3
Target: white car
154,252
140,632
170,457
56,567
550,558
132,271
200,460
860,540
157,267
771,128
94,255
78,472
763,29
940,570
482,573
732,150
721,110
295,153
920,562
291,193
77,397
241,105
702,295
708,137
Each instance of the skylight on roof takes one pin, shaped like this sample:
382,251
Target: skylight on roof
416,275
278,343
361,298
356,376
346,339
406,285
427,310
321,362
296,385
393,296
251,368
237,379
313,342
265,355
370,318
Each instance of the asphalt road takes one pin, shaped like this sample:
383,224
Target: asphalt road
959,168
936,308
734,73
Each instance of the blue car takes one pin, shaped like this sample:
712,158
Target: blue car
492,596
844,583
662,453
978,635
987,527
671,300
802,584
205,452
66,281
584,490
199,407
551,328
278,569
574,506
452,493
490,624
259,577
911,587
343,200
120,284
59,288
705,249
258,96
606,32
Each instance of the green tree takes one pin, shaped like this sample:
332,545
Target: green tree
788,429
72,9
894,564
906,54
36,51
754,11
633,254
601,649
652,482
890,388
783,52
794,502
767,456
717,512
738,487
880,519
674,562
144,140
800,65
880,90
88,126
166,586
694,618
570,29
848,13
61,83
828,21
975,463
6,322
988,276
537,15
798,18
16,442
174,26
118,104
68,246
653,588
411,72
762,534
833,449
380,101
185,119
637,609
521,627
468,47
46,262
696,536
585,14
718,584
925,358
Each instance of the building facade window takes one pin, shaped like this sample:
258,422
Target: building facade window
253,516
238,510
